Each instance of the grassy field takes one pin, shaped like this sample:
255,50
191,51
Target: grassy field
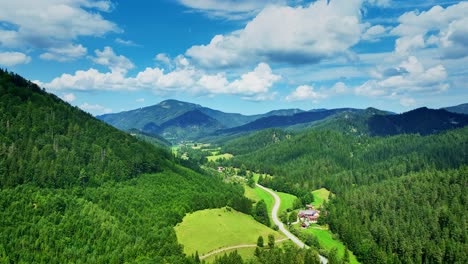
320,196
327,242
220,156
256,194
287,201
207,230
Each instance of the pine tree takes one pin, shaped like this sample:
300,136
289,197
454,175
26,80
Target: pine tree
260,241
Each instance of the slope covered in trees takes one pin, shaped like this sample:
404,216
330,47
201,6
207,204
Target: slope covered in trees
72,189
47,142
395,194
420,218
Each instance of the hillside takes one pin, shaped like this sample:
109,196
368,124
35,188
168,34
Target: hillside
74,189
285,121
460,109
156,114
48,143
351,166
422,120
189,125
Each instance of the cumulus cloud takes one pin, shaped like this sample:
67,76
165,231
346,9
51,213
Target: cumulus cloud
253,85
13,58
409,77
287,34
51,23
117,63
66,53
258,81
446,28
305,92
374,33
95,108
228,9
164,58
69,97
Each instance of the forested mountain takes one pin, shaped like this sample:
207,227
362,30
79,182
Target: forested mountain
177,120
168,110
353,165
189,125
460,109
422,120
285,121
157,114
72,188
48,143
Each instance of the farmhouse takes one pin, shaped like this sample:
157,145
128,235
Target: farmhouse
310,215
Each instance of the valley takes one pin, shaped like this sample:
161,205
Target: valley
192,189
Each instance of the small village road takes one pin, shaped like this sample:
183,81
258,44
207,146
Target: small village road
274,215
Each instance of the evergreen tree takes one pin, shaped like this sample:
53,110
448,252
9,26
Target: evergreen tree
260,241
271,241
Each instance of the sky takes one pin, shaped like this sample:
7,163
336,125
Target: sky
241,56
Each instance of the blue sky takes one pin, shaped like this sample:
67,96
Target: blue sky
241,56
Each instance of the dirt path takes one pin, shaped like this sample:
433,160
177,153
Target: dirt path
217,251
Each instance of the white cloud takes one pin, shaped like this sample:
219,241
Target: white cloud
69,97
407,102
406,44
446,28
253,85
287,34
164,58
409,77
126,42
140,100
381,3
117,63
305,92
13,58
259,81
95,108
229,9
374,33
66,53
46,24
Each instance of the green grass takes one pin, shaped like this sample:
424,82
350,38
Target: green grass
269,200
327,242
287,201
256,194
251,193
320,196
211,229
220,156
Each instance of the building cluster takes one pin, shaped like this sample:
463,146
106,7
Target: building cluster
308,216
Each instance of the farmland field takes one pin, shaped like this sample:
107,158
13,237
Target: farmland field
208,230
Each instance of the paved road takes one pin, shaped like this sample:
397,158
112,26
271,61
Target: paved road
274,215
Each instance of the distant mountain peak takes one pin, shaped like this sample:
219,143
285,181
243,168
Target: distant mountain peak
169,103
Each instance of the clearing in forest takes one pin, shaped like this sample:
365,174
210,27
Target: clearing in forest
211,229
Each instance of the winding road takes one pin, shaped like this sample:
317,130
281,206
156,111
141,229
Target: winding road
274,215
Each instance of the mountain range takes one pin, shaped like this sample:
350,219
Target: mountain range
176,120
